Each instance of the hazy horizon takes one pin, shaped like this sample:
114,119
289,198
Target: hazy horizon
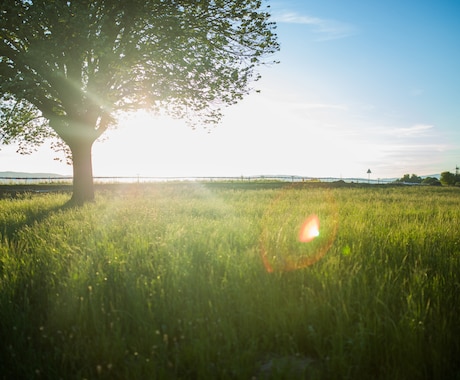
47,175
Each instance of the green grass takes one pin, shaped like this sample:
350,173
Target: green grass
167,281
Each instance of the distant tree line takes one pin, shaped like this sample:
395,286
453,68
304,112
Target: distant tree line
446,179
407,178
450,179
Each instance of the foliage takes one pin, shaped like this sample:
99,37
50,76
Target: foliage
449,179
165,281
68,67
431,181
24,120
406,178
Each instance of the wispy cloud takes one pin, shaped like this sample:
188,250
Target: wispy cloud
326,29
324,106
417,148
417,130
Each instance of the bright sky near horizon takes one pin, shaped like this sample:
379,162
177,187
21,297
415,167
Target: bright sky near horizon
361,85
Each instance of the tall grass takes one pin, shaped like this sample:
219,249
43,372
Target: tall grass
167,281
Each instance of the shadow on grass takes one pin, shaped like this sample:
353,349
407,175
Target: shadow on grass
26,282
10,229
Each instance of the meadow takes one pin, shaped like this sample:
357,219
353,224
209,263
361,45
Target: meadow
209,281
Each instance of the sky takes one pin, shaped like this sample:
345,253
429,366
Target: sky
360,85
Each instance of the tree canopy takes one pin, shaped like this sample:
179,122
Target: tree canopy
450,179
68,67
406,178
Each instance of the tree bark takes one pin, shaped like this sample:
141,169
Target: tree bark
83,186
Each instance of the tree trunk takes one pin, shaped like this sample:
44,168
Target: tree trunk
83,186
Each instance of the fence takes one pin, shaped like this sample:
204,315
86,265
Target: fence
142,179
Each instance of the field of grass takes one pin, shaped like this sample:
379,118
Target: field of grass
170,281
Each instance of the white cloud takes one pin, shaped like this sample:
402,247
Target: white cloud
417,130
324,106
326,29
294,18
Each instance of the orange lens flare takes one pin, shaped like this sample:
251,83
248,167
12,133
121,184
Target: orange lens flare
282,242
309,229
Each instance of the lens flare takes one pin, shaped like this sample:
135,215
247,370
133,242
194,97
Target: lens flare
309,229
288,240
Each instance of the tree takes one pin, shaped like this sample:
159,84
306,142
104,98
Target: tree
410,179
69,67
431,181
449,179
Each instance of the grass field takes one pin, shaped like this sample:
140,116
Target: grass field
170,281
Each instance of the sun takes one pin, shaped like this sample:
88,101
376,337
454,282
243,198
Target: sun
150,145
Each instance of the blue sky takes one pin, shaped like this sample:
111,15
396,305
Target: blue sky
361,85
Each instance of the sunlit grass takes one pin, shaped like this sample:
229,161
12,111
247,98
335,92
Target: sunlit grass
167,281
